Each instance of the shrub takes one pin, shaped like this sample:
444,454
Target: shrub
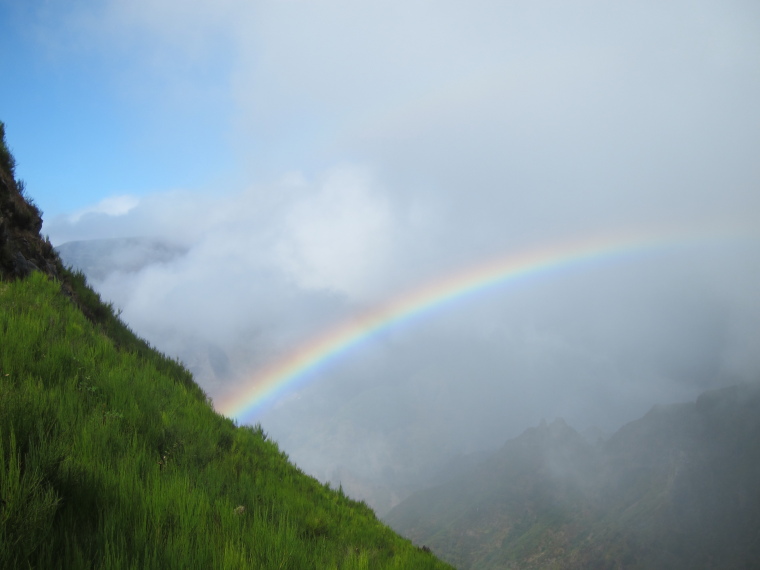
6,158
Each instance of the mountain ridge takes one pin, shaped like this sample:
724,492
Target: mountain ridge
677,488
96,258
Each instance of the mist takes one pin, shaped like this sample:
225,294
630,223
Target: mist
383,147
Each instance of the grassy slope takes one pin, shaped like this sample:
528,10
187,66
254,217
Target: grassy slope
110,461
112,457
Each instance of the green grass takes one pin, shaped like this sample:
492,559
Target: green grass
112,457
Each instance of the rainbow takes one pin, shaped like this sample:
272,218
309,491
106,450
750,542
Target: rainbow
284,373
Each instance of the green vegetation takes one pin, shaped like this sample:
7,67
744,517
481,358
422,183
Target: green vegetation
111,456
108,322
113,459
7,161
8,165
678,488
21,248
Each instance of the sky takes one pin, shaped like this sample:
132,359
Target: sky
290,164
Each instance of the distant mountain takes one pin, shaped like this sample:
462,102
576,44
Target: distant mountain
97,258
678,488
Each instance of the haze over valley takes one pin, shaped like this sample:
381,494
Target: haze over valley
239,177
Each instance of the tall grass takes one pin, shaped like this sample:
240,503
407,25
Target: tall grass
113,458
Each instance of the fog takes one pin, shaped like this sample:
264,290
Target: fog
389,145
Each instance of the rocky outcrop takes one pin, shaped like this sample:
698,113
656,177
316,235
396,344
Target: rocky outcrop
22,248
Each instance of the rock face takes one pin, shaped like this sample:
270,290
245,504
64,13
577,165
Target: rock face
22,248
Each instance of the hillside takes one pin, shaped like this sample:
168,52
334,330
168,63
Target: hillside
112,456
678,488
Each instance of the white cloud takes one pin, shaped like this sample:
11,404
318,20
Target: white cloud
339,237
112,206
412,139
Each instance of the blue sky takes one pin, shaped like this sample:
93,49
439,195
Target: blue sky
131,97
307,159
81,133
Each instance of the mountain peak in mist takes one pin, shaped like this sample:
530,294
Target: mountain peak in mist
677,488
98,258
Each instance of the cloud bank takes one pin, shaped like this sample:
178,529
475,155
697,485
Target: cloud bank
382,145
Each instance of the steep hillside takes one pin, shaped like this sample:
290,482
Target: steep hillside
679,488
112,457
117,260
